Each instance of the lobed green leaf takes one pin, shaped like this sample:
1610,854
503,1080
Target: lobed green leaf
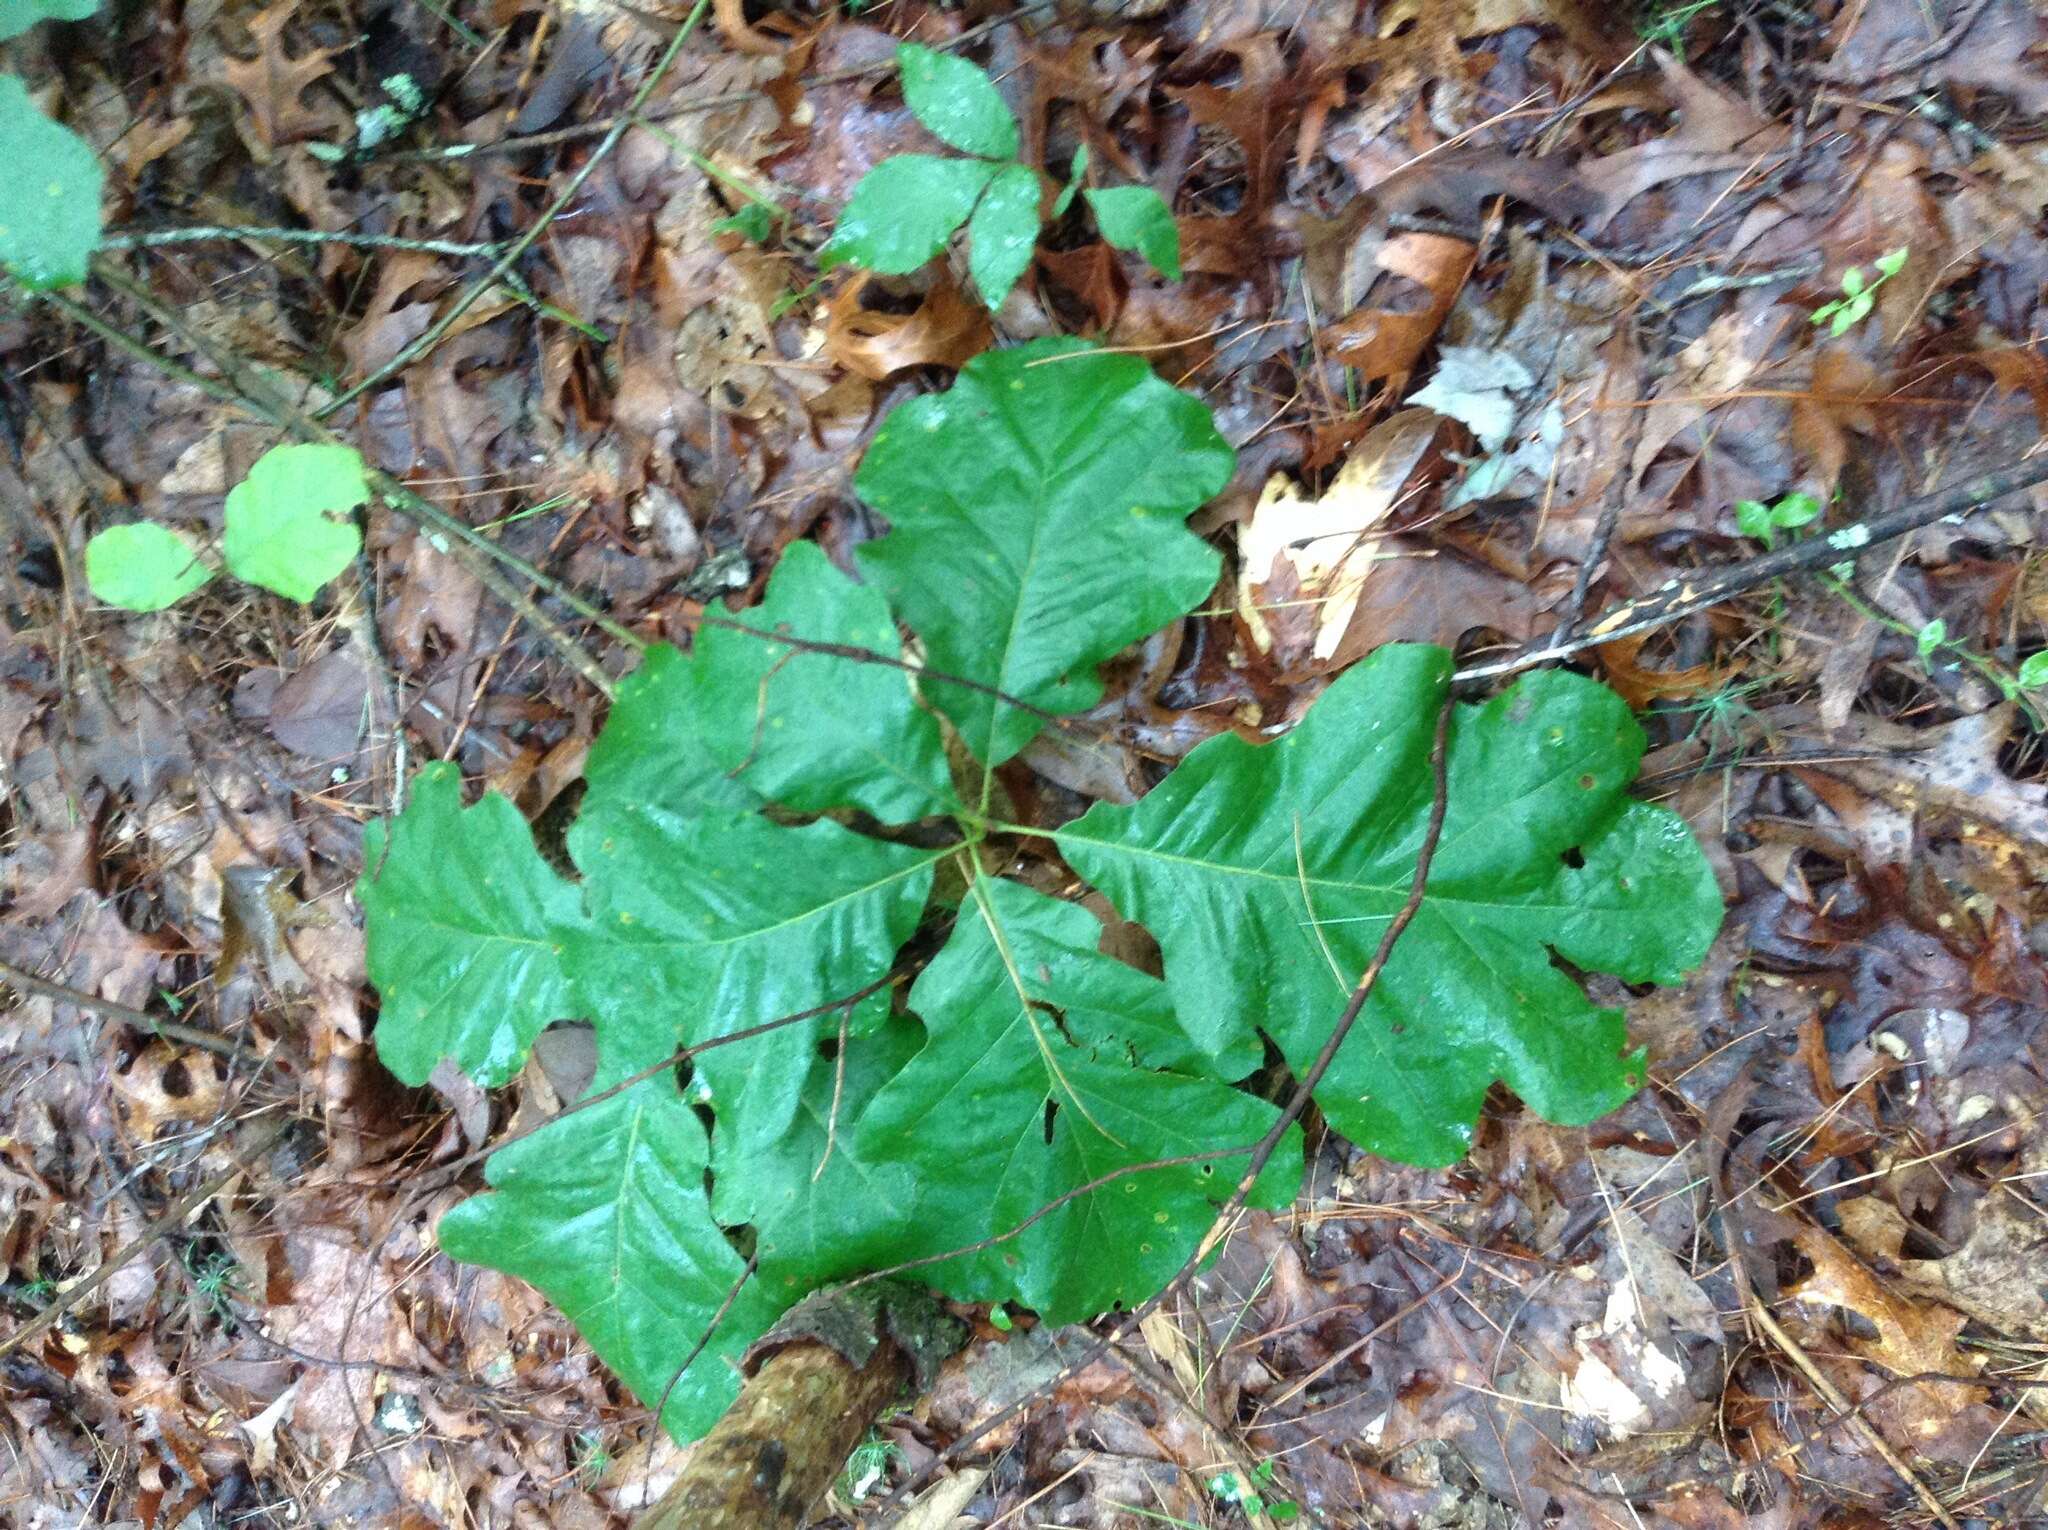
1037,512
465,925
1268,874
604,1211
1034,1083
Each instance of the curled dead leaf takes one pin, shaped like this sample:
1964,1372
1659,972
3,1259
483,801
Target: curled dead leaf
1384,342
1639,685
944,330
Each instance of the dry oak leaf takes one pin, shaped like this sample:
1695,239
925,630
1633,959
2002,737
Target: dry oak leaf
273,83
1717,132
1303,563
1912,1337
945,330
1384,342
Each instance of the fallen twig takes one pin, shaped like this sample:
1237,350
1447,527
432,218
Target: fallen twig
170,1030
1679,598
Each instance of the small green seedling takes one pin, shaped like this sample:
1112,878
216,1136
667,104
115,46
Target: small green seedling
867,1466
905,209
593,1457
289,526
1755,519
217,1279
1930,639
1666,23
1859,294
1247,1491
2034,671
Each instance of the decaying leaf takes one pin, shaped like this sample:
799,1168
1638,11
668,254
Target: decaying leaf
1303,564
944,330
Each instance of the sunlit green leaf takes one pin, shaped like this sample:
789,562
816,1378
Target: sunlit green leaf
1268,873
1032,1086
1136,218
605,1212
1003,233
465,924
904,210
142,566
290,526
1037,510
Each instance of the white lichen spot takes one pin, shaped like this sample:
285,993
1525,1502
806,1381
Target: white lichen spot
1849,537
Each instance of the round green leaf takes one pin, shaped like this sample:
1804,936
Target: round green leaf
1003,233
957,102
49,194
904,210
17,16
290,525
142,566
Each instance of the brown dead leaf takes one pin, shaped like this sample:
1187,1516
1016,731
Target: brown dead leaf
168,1085
1837,401
274,84
944,330
1640,685
1952,780
1304,562
257,908
1385,342
734,27
1716,133
1912,1337
389,324
1706,371
1996,1276
2019,369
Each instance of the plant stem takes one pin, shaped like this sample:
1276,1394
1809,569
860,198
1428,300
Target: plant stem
170,1030
209,234
2001,679
475,553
